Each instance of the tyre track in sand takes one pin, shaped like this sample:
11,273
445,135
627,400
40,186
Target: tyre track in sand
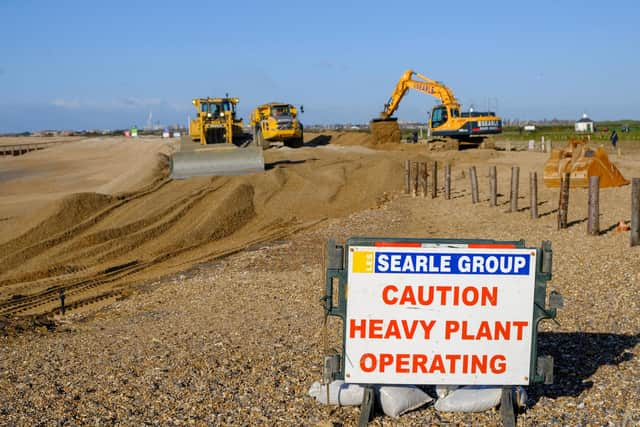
95,246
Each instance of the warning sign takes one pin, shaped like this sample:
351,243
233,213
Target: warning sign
439,315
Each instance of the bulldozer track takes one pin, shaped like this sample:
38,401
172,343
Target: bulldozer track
48,300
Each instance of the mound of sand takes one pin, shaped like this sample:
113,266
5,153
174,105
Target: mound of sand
162,225
385,131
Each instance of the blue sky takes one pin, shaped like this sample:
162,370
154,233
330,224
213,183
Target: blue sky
88,64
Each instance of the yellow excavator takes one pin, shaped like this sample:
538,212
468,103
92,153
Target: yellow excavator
217,143
447,122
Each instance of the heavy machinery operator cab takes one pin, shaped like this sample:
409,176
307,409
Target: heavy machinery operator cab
439,116
280,111
218,108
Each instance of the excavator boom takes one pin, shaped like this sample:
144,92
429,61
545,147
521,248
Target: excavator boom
422,84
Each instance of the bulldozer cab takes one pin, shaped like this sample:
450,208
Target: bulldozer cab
216,107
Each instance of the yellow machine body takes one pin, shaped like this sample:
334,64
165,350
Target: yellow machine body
223,146
276,122
215,121
581,162
447,119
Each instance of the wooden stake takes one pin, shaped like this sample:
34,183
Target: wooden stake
515,177
635,212
423,178
493,186
593,224
407,176
563,203
533,194
434,180
447,181
416,175
474,184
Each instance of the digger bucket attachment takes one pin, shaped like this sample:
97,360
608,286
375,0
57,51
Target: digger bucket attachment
223,160
582,163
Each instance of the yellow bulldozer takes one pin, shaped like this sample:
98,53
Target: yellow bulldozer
447,123
217,143
276,122
216,121
581,162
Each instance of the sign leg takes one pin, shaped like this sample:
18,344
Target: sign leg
367,407
507,407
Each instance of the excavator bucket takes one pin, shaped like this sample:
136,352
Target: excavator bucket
385,130
225,159
581,162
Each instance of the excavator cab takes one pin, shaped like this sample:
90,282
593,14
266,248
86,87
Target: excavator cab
439,116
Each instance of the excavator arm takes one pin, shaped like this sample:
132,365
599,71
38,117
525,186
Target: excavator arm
422,84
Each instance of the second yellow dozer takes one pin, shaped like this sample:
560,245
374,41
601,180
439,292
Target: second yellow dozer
581,162
217,143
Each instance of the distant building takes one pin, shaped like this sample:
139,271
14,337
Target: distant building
585,124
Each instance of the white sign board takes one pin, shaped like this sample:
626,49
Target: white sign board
439,315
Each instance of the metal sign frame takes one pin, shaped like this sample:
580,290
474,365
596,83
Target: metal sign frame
336,288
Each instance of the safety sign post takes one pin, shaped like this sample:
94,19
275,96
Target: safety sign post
439,311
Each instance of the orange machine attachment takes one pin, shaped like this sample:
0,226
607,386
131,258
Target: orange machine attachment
581,162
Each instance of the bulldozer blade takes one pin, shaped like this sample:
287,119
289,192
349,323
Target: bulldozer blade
582,164
216,162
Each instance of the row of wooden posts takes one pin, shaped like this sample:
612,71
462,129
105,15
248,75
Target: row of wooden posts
416,181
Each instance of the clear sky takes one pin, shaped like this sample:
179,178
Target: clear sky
87,64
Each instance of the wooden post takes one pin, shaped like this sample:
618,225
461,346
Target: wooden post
434,180
533,194
635,212
493,186
423,178
447,181
474,184
593,224
407,176
62,296
416,173
563,203
515,178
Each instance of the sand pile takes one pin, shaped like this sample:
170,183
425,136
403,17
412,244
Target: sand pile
93,243
385,131
238,341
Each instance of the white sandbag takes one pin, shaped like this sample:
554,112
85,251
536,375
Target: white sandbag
339,393
397,400
471,398
443,390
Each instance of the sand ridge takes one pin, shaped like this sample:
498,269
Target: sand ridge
112,209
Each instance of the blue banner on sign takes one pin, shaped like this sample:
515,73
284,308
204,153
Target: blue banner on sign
452,263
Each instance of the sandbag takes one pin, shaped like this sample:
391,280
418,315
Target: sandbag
471,398
443,390
339,393
398,400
